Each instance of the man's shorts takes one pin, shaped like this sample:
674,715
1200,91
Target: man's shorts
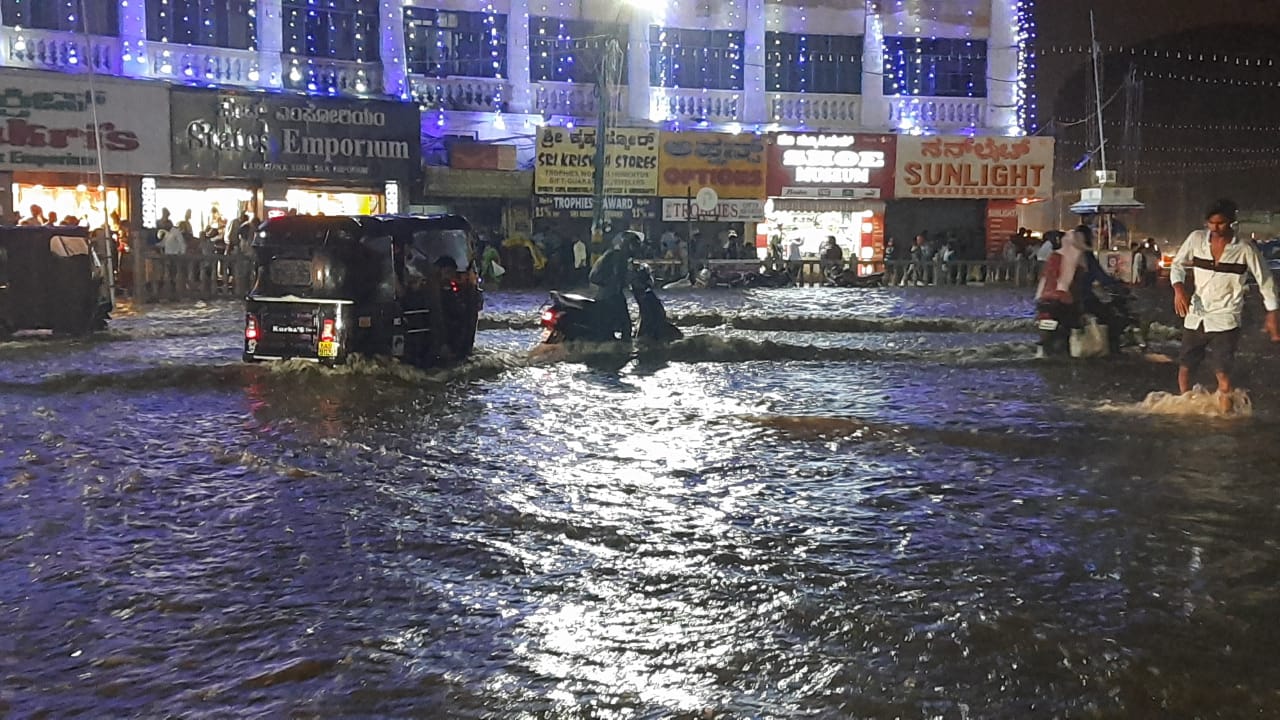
1221,347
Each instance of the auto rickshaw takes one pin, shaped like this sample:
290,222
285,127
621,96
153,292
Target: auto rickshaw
51,278
327,287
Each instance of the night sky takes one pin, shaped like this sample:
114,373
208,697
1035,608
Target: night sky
1204,128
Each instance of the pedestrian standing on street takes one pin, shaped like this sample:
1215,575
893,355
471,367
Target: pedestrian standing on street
1218,261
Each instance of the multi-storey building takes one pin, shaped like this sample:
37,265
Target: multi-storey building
497,70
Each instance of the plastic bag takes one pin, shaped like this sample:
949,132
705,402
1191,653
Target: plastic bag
498,270
1090,340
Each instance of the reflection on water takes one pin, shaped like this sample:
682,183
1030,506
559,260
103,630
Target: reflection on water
791,519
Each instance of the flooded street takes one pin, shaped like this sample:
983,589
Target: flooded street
822,503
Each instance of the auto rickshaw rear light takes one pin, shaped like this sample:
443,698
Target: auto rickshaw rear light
549,317
453,285
251,327
326,330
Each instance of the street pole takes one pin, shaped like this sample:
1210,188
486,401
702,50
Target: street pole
604,99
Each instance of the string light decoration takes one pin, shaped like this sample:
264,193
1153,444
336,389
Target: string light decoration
497,51
343,30
1024,86
214,23
1180,55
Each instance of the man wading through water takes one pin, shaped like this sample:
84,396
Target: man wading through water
1218,261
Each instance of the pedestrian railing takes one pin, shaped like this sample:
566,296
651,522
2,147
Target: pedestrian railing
179,278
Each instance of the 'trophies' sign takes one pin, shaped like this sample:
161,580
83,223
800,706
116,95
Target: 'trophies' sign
225,134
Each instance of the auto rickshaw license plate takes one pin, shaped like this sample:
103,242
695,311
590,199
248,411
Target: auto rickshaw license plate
328,349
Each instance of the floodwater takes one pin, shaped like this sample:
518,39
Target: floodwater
822,504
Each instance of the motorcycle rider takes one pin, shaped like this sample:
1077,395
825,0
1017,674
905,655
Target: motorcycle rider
611,275
1107,312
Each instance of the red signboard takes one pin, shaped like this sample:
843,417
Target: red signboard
1002,224
848,166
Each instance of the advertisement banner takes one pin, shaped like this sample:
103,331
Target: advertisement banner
732,165
967,167
727,210
581,207
565,162
47,123
848,166
1002,224
240,134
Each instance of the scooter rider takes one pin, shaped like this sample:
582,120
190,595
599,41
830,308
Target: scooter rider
611,275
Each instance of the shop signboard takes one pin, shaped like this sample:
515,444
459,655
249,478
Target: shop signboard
845,166
47,124
1002,225
581,207
243,134
565,162
958,167
732,165
726,210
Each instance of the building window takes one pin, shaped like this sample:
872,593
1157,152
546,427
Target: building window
101,16
336,30
217,23
438,43
941,67
570,50
710,59
813,63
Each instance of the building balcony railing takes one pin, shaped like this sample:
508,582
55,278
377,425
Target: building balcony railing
815,110
695,105
195,63
935,113
573,99
460,93
336,77
61,51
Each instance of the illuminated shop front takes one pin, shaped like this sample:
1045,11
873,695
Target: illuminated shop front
824,186
77,154
966,190
90,205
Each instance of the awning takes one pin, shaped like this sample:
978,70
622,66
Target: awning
1094,201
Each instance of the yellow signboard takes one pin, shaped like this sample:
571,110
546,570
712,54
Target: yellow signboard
566,160
732,165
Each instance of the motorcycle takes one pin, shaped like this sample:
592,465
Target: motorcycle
577,317
849,277
1055,321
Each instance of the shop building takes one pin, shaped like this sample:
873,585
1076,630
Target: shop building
830,185
55,154
731,166
266,155
563,180
481,183
967,189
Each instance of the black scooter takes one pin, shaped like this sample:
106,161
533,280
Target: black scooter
577,317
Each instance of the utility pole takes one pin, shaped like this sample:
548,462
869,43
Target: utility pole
605,83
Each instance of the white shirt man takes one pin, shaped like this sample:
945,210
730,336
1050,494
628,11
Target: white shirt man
1218,262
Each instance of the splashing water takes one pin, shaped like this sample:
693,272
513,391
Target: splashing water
1198,401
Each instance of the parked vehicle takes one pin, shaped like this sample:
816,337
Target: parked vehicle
328,287
849,277
573,317
51,278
